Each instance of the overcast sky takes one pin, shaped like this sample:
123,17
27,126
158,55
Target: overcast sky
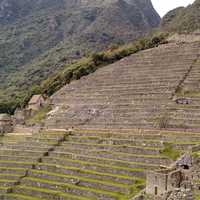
163,6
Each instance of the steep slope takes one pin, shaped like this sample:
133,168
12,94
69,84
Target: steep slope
137,91
37,37
183,19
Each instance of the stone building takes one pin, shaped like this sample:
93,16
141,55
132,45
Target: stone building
5,123
179,176
184,162
162,181
36,102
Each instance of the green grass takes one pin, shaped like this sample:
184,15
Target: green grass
65,185
80,178
116,194
197,196
6,181
104,165
52,192
196,154
109,160
170,152
85,171
117,146
19,96
22,197
39,116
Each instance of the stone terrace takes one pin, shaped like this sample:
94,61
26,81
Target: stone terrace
134,92
187,116
84,164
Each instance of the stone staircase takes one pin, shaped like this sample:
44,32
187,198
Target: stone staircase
135,92
84,164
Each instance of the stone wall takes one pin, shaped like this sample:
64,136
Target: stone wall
156,183
160,182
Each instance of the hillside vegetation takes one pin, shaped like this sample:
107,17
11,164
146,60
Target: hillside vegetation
76,70
38,37
182,19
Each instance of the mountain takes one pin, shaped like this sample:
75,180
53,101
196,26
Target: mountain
182,19
38,37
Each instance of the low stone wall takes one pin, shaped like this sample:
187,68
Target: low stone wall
26,129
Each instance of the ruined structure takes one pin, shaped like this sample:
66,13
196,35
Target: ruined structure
162,181
5,123
177,183
36,102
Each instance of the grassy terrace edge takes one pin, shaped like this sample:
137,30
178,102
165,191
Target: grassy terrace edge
80,68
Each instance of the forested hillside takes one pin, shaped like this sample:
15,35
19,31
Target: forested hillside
38,37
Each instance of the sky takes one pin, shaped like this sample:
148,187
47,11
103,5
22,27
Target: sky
163,6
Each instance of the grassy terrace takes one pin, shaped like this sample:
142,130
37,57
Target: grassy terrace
82,165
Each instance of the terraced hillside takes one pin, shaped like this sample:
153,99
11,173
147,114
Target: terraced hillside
84,164
138,91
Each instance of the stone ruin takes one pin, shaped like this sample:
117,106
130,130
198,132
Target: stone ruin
175,183
184,101
162,181
6,124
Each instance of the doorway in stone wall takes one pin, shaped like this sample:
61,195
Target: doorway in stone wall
156,190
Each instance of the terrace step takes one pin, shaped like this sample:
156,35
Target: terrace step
13,196
16,164
18,158
43,193
115,148
112,178
84,182
6,182
104,161
153,159
20,153
94,174
86,192
13,170
3,189
138,169
116,141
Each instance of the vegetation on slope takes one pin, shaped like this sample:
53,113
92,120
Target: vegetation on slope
170,151
76,70
39,116
38,37
182,19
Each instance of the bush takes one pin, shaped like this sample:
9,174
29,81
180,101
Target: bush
170,151
99,58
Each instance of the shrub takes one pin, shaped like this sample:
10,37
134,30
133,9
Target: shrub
99,58
170,151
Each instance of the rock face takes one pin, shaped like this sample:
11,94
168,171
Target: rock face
183,19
